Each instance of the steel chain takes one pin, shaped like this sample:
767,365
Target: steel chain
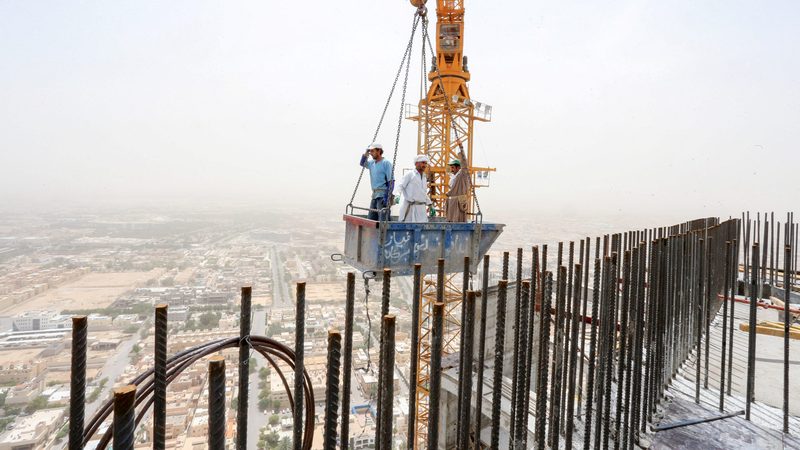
406,54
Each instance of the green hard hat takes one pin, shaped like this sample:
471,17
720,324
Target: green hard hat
455,162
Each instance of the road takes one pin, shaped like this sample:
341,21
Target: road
280,290
255,418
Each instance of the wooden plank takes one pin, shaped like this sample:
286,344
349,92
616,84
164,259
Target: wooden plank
771,330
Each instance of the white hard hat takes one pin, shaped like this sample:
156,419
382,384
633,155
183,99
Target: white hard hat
421,158
375,145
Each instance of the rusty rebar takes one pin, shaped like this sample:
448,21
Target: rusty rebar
385,299
77,386
787,323
544,338
519,362
332,390
348,359
216,402
466,367
160,378
412,378
725,299
299,345
590,389
244,369
751,343
124,417
573,354
435,375
499,347
481,352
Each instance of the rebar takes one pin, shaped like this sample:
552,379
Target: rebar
244,369
576,299
515,368
481,352
435,374
622,366
216,403
385,296
466,367
332,389
77,386
530,338
348,359
519,362
787,318
725,299
462,344
384,440
499,347
160,378
299,345
412,383
544,339
590,389
751,342
124,417
555,386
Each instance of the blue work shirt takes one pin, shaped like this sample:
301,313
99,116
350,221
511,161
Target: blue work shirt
380,173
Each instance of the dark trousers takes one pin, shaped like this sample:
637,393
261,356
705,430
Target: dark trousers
377,203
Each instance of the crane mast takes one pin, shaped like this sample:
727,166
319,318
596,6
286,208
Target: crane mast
445,119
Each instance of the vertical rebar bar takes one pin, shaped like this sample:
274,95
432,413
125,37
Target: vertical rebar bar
573,354
734,282
708,307
348,360
299,334
466,375
412,378
621,367
385,299
462,345
530,338
699,319
481,352
385,415
725,299
499,346
332,390
160,378
519,362
787,321
590,389
515,368
124,417
751,343
544,356
244,369
555,384
77,386
216,402
435,374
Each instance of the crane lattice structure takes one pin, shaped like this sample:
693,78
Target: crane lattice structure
445,119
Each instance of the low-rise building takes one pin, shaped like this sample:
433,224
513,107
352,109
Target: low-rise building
40,320
30,432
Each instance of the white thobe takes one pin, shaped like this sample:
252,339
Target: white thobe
414,192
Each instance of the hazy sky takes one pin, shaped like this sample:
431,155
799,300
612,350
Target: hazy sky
626,106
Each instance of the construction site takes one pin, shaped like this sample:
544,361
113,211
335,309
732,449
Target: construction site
672,336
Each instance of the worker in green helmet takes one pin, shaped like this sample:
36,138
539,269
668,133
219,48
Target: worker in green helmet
458,192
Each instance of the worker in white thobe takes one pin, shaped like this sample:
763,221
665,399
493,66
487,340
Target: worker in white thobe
413,190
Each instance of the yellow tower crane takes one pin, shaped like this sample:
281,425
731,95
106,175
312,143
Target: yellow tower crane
445,119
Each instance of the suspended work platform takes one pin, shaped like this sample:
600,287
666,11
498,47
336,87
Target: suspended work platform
371,245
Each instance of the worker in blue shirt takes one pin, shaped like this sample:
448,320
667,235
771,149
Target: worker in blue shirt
381,178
